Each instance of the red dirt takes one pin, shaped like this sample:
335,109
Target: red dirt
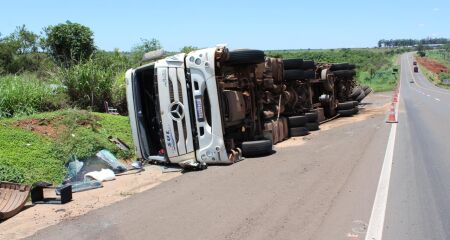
41,126
432,65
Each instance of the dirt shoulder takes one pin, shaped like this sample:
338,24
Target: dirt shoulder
374,104
37,217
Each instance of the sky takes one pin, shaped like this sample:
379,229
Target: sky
259,24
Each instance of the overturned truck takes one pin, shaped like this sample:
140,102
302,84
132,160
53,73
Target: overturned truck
215,106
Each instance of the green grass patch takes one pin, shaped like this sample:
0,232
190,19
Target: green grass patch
26,94
28,154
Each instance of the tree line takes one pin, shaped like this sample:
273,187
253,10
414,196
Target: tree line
411,42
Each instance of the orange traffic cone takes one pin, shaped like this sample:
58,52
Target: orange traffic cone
391,118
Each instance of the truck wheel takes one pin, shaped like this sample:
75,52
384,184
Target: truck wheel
344,73
312,126
360,97
295,63
342,66
297,121
356,91
355,103
298,131
308,65
355,110
346,113
346,105
245,56
367,91
257,148
297,74
312,116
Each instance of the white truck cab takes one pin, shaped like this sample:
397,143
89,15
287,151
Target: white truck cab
169,104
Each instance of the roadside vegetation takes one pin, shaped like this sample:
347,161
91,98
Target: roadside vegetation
435,64
375,67
36,147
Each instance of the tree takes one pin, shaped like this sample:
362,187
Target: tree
146,45
19,51
420,49
69,43
188,49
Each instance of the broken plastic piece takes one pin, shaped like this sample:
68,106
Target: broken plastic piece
119,143
111,160
101,176
81,186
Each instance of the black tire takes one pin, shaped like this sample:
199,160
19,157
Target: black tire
307,64
312,126
360,97
355,103
346,105
257,148
298,131
245,56
312,116
367,91
346,113
295,63
355,110
297,121
356,91
344,73
342,66
297,74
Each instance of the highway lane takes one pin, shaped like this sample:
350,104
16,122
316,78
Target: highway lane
418,205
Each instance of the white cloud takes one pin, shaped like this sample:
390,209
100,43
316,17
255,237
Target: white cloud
421,25
436,9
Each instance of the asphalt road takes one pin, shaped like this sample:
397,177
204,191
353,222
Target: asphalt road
418,205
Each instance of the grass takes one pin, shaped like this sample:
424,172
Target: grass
26,94
28,155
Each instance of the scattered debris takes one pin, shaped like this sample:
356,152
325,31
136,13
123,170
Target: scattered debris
167,169
80,186
37,194
111,160
119,143
101,176
13,197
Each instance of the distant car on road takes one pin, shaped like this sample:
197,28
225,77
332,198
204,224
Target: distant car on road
416,69
414,63
411,80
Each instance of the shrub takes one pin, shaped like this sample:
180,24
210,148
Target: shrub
88,84
96,80
69,43
25,94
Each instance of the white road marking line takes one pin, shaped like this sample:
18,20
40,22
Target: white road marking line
437,99
428,95
376,222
